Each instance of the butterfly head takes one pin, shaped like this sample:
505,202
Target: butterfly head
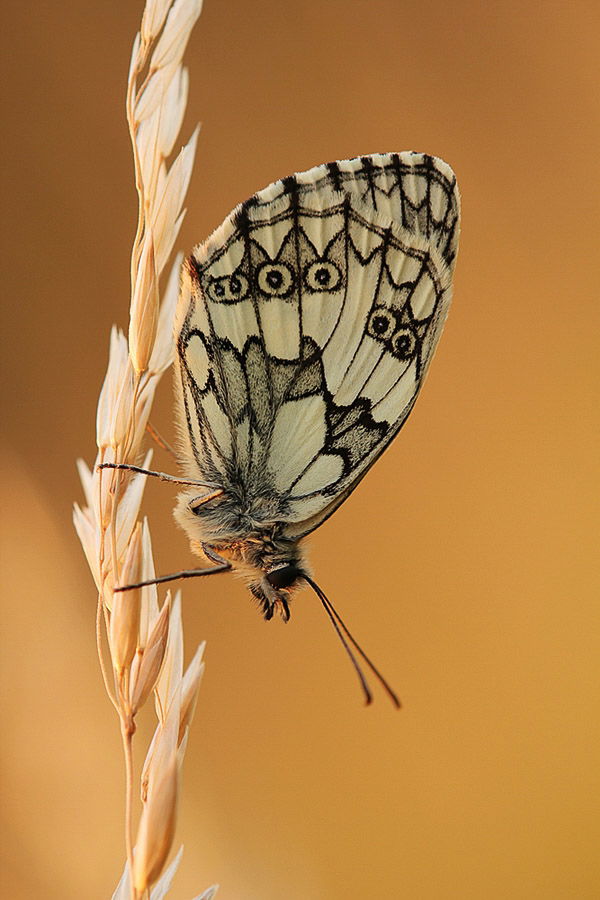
276,587
273,570
272,566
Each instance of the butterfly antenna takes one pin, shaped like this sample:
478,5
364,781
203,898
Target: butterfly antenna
343,633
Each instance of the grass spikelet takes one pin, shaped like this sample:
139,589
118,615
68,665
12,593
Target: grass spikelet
144,638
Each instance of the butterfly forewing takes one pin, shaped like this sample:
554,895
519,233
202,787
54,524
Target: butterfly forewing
305,328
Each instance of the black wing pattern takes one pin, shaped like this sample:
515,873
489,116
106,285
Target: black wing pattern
305,328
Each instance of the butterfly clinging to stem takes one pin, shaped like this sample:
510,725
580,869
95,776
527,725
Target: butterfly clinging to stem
305,327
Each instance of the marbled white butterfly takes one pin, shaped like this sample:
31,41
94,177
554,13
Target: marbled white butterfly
305,327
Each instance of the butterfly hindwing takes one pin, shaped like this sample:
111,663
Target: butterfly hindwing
305,328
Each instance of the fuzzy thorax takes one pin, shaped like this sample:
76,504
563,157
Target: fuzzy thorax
271,565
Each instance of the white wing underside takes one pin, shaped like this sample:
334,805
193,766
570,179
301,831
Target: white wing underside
306,325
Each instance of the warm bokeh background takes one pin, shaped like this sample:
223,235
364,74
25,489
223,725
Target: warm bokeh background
465,561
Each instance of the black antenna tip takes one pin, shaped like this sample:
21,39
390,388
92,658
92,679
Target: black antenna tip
346,639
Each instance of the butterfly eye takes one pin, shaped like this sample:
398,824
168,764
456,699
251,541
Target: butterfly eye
283,577
382,323
403,343
322,276
275,279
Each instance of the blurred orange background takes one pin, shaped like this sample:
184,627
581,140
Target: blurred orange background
464,562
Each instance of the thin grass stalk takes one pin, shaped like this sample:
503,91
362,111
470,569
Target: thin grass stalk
140,640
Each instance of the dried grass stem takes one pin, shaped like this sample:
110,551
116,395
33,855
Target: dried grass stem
139,640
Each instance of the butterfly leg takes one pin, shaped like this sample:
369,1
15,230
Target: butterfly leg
204,498
159,439
162,476
222,566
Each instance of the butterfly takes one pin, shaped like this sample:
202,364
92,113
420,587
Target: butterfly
305,327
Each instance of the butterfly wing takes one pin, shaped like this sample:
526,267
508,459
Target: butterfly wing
306,325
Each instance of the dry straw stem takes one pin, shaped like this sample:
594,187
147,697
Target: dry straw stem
144,638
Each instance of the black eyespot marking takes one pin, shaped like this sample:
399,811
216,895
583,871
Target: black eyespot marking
275,279
228,288
403,343
235,285
322,276
284,576
381,324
